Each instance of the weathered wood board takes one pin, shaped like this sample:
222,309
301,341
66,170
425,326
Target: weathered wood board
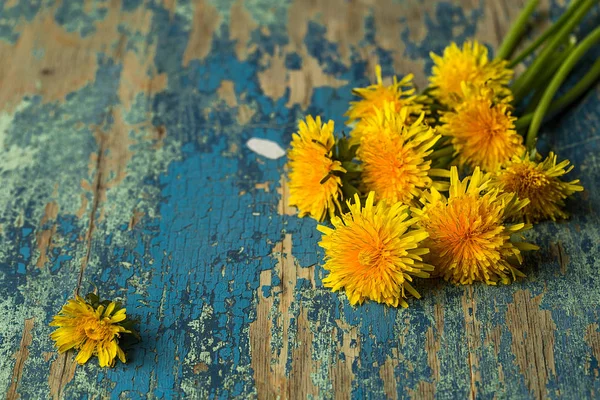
123,166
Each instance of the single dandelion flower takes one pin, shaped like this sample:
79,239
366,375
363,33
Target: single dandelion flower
540,183
90,330
467,65
314,181
469,236
400,94
373,253
394,156
482,130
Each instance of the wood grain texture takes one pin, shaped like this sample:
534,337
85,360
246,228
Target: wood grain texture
123,162
21,359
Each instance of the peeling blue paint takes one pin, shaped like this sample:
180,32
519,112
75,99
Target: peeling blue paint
190,269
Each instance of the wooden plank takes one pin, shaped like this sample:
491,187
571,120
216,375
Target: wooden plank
141,111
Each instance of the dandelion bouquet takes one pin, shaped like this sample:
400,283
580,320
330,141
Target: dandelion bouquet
442,182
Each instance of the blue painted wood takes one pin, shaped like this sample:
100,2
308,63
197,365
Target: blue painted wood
124,167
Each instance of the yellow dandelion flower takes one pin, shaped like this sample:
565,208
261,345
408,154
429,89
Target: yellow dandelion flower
315,187
92,331
467,65
394,156
469,237
482,130
400,94
540,183
373,253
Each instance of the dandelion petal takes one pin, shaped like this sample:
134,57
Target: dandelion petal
265,148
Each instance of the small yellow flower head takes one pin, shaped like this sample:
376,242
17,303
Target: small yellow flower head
394,156
482,130
469,237
373,252
314,181
540,183
91,331
467,65
400,95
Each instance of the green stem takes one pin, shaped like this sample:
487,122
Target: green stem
558,79
524,84
548,73
442,163
444,151
547,33
565,100
515,32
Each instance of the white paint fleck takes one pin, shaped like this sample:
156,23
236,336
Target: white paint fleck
205,357
266,148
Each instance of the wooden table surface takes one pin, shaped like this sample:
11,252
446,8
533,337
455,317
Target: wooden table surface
124,166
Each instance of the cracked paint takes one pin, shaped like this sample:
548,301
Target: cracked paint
124,168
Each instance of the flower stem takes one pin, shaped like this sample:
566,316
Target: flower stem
515,32
548,73
444,151
564,101
547,33
442,163
524,84
555,83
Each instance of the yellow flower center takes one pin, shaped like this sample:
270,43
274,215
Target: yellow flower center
393,158
524,181
387,172
370,256
483,133
486,122
466,237
466,230
98,329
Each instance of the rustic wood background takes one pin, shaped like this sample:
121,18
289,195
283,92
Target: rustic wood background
123,166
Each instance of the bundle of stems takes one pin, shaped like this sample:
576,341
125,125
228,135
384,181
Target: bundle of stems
556,53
